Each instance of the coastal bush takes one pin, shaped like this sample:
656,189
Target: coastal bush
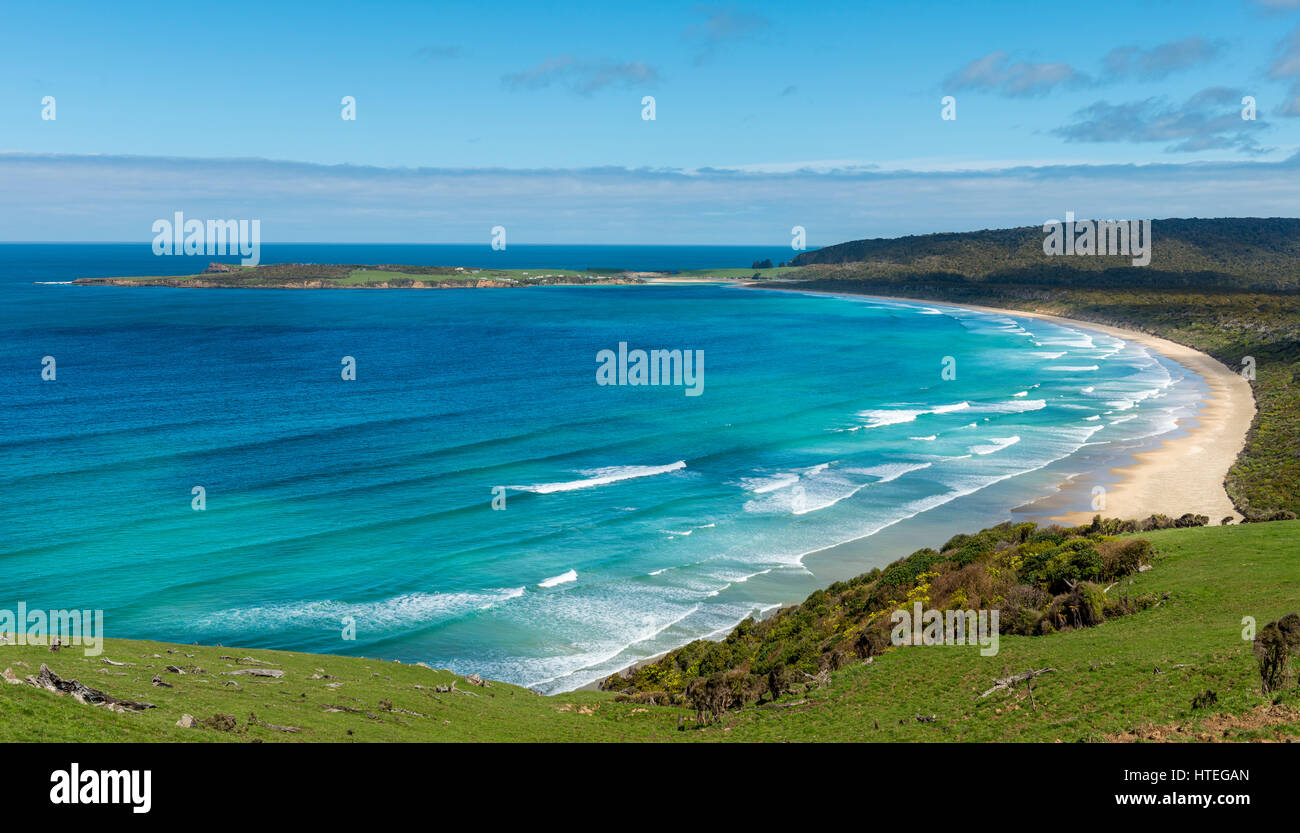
1120,558
1057,569
905,571
1275,645
1022,609
1258,516
779,680
871,641
970,585
1122,605
1042,580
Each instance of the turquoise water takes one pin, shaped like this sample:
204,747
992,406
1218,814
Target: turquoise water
635,519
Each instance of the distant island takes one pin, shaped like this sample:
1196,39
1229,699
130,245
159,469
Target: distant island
391,276
355,276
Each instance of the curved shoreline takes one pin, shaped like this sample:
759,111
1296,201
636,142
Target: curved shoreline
1184,473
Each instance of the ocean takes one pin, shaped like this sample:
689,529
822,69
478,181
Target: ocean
357,516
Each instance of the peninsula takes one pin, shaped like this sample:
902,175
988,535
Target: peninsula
383,276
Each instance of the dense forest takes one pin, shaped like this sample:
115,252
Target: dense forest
1235,253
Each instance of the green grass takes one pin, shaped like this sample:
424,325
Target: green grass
1106,680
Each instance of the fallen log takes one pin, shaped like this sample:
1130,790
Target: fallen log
1006,682
50,681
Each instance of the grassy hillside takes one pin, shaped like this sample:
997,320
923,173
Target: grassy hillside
1131,676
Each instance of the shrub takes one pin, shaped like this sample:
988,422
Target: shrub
1122,605
871,642
1023,609
1275,643
1155,522
906,570
1120,558
1082,607
1059,568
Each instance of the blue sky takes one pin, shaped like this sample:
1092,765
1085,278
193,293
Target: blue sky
469,114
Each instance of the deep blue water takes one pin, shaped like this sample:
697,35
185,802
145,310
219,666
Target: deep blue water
636,518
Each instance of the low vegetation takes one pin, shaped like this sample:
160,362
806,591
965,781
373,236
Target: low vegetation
1041,580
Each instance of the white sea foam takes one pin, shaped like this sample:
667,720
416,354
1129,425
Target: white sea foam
994,444
888,416
1072,368
1011,406
684,532
407,610
1074,339
562,578
763,485
887,472
601,477
878,417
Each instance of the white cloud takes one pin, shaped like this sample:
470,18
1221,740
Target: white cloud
66,198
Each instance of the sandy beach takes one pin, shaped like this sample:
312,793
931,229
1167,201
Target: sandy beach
1185,473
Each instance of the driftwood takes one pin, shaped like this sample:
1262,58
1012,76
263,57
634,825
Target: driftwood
1006,682
50,681
256,672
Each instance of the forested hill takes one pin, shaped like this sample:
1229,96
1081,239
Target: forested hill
1247,253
